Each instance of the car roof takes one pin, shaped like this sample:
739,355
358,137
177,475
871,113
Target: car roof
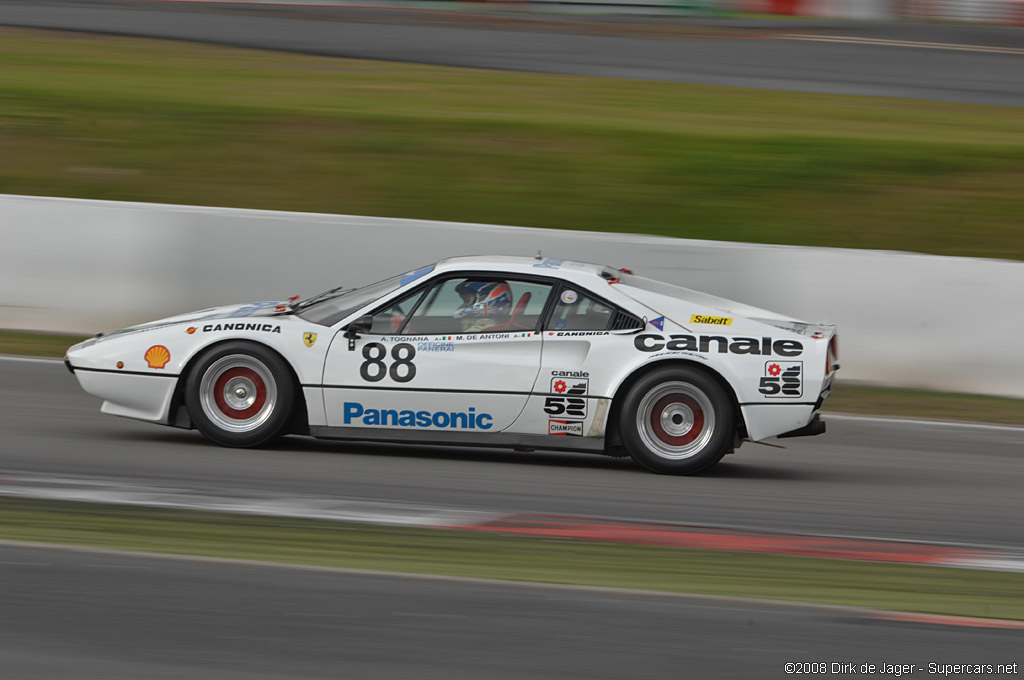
522,265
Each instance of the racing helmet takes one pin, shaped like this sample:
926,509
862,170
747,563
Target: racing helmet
484,299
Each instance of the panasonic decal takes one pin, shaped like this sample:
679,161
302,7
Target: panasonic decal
464,420
652,342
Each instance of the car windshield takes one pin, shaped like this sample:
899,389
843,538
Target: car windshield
331,307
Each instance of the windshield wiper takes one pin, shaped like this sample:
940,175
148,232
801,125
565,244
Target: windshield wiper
316,298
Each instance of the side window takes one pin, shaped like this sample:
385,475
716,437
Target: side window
479,305
577,311
388,320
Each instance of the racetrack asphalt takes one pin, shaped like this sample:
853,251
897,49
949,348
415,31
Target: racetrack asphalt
865,478
975,64
86,614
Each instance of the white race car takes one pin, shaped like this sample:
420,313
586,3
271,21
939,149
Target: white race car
482,351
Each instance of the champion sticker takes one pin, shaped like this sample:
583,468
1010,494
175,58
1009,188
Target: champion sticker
570,296
564,428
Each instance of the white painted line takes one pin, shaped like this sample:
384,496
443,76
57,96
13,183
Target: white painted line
1009,564
309,507
882,42
922,422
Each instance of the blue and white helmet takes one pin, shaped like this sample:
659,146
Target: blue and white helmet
484,299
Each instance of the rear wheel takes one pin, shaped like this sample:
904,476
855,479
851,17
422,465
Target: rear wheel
240,394
677,420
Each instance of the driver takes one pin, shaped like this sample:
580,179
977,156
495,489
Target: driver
484,304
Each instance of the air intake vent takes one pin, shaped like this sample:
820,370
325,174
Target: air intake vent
623,322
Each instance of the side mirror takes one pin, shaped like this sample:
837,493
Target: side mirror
361,325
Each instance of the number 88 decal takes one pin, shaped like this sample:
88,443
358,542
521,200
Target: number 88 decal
374,368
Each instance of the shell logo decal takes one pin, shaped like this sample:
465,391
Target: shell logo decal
309,339
190,330
157,356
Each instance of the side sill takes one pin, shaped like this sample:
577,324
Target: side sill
430,437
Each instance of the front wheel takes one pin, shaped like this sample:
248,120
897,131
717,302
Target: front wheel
677,420
240,394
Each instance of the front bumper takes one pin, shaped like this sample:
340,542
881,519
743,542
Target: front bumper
131,395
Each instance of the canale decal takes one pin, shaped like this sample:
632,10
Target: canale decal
464,420
651,342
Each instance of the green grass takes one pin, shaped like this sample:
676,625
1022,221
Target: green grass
858,399
22,343
473,554
128,119
887,401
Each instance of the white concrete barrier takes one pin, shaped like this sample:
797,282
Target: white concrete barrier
905,319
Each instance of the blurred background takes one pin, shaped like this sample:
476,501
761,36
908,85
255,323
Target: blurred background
844,161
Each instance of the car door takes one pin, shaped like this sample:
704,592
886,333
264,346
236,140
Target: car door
434,362
583,346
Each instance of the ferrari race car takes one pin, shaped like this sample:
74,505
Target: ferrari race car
516,352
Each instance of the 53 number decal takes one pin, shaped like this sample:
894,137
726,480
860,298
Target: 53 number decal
782,379
375,368
573,404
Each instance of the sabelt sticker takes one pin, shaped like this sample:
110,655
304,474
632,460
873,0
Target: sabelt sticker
157,356
563,428
782,380
570,296
712,320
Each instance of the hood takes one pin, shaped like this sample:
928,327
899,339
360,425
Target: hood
249,309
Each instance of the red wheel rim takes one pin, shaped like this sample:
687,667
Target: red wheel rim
659,430
245,374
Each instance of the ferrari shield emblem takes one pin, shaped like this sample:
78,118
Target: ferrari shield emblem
309,339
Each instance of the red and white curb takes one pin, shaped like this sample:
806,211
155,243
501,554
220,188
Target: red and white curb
91,490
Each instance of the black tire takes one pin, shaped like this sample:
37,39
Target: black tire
240,394
677,421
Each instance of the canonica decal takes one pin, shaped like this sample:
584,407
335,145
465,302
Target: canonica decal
783,379
262,327
157,356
